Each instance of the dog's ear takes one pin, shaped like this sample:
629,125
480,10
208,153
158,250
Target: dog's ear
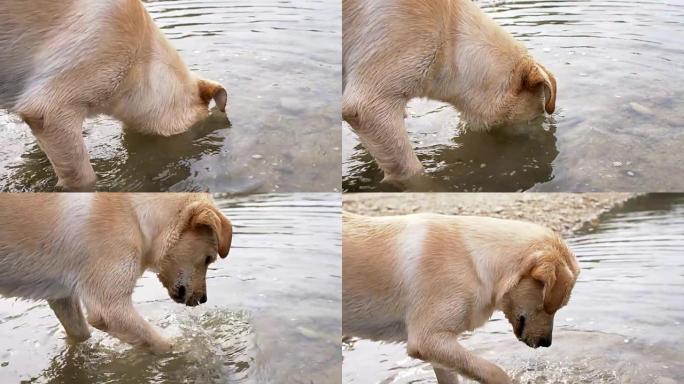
209,90
534,75
558,281
209,216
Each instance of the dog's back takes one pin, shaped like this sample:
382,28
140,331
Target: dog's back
42,243
372,306
23,29
374,30
41,40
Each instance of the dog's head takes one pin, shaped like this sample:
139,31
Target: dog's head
183,269
519,95
531,304
532,92
163,97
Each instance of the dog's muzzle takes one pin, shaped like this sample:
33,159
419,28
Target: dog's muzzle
195,300
520,327
179,295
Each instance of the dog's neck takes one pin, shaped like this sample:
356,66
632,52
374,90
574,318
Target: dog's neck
473,72
503,258
156,95
160,223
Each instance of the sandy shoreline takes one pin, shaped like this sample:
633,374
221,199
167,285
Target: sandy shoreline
562,212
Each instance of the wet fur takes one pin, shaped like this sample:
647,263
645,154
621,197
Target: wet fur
447,50
90,249
61,62
425,279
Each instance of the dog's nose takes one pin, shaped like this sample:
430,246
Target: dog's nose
545,342
203,299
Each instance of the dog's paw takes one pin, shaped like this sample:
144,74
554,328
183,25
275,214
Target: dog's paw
79,337
161,347
498,376
84,184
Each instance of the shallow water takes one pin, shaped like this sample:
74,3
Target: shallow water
623,323
273,313
280,62
619,117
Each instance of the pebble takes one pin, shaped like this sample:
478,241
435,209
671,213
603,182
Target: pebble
563,213
641,109
617,164
257,156
631,174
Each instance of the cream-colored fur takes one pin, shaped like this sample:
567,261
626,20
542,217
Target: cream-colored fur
447,50
62,61
424,279
78,248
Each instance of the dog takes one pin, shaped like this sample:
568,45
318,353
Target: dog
61,62
424,279
88,248
446,50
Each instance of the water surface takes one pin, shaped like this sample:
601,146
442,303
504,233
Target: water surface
280,62
623,323
619,116
272,315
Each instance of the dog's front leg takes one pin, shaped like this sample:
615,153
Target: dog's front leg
69,313
60,136
445,376
379,123
122,321
443,349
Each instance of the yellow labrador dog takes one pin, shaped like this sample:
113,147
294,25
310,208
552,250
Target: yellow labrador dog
447,50
424,279
70,249
62,61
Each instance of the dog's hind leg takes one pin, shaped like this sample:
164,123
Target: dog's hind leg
69,313
445,376
60,136
379,123
443,349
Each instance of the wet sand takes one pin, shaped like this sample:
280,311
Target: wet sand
565,213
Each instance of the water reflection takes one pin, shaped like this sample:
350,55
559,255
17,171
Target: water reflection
150,163
507,159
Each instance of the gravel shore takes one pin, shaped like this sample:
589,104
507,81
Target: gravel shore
562,212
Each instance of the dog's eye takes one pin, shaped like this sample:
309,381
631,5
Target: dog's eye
207,261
